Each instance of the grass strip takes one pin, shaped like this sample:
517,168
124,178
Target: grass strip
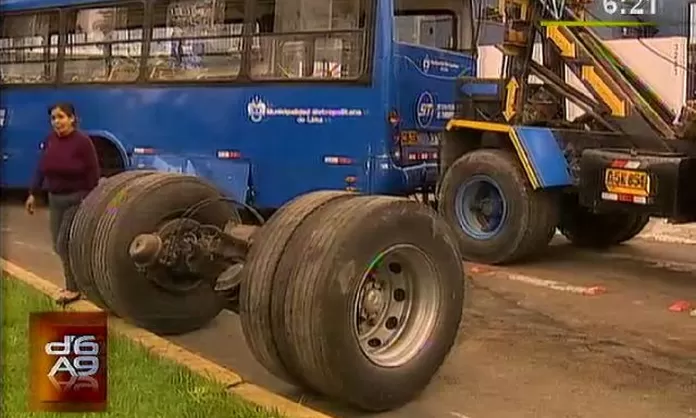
141,385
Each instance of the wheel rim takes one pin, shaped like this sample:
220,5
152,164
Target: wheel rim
480,207
396,306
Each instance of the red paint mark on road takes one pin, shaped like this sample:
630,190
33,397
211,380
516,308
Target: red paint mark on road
595,291
680,306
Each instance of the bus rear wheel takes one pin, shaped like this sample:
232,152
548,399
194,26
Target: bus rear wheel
83,228
110,159
367,289
262,272
164,298
486,197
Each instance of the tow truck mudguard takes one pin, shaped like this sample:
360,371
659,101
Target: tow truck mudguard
658,184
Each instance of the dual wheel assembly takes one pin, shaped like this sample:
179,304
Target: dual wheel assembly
486,197
358,298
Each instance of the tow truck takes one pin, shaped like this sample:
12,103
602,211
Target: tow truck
514,169
311,283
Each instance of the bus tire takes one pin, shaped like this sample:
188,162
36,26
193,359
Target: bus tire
142,206
82,231
351,247
258,284
520,220
599,230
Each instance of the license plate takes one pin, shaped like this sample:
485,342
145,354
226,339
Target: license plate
635,183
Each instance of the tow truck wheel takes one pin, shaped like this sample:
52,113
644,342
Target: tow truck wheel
599,230
486,197
258,287
641,221
375,292
82,230
163,299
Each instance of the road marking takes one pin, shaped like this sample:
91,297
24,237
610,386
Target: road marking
458,415
656,237
667,239
164,348
676,266
555,285
483,270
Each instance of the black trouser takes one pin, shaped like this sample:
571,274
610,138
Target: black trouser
61,210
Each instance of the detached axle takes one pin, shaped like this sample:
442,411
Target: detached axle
370,288
187,247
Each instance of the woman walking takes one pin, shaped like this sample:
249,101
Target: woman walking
70,168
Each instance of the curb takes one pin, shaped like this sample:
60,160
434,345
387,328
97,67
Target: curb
166,349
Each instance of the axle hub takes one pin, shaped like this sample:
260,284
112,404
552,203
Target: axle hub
145,249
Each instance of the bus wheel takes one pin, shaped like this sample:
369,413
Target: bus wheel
260,283
171,297
373,292
486,197
81,239
110,159
599,230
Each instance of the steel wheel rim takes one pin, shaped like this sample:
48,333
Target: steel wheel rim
474,219
396,306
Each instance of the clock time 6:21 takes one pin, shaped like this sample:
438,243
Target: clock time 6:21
630,7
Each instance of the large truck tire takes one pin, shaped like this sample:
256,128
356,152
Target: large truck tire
158,299
641,221
599,230
258,284
81,237
389,281
487,199
375,293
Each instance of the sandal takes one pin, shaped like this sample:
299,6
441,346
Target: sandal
67,296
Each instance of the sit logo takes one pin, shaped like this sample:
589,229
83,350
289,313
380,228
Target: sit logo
68,361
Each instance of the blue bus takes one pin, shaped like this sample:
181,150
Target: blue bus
266,99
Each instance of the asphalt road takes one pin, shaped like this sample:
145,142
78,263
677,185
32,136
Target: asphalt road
532,343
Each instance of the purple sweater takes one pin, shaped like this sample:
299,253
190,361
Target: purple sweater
68,164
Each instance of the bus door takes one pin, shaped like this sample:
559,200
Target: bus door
431,50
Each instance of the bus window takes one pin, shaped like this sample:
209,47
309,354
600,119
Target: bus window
103,44
310,40
196,40
28,48
436,30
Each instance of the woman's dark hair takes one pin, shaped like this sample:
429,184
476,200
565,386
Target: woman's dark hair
66,107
